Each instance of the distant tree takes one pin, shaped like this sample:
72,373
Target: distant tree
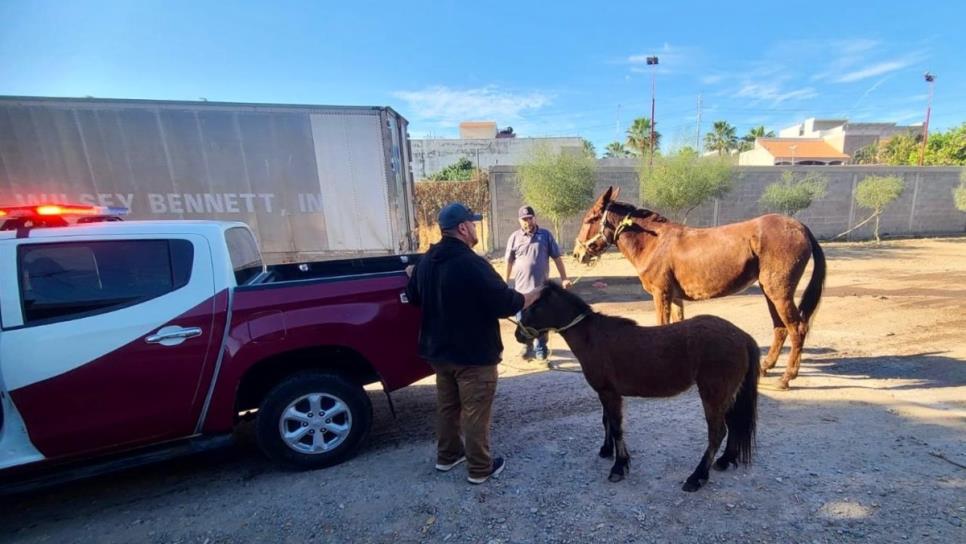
639,137
680,182
589,147
959,193
876,193
943,149
947,148
748,140
559,185
506,133
790,195
616,150
461,170
867,155
722,138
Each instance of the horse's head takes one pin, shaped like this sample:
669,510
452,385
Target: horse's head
601,226
555,309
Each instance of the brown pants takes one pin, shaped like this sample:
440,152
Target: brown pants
464,402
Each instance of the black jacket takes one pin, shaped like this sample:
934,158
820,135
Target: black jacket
461,298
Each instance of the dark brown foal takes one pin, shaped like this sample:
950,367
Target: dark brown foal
620,358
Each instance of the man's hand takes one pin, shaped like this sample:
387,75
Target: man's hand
531,297
567,284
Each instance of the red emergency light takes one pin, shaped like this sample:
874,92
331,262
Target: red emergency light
23,218
60,209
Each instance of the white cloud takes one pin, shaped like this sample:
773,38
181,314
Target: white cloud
874,70
769,92
448,107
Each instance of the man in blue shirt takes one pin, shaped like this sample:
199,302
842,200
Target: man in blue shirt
528,254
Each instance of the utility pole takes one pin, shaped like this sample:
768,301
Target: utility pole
617,125
931,80
652,62
697,138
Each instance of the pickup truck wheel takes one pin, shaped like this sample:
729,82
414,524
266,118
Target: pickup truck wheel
313,420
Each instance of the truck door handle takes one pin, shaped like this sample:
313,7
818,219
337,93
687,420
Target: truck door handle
173,335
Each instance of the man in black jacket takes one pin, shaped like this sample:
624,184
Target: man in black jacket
462,299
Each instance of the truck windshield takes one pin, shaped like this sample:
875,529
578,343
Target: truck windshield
246,261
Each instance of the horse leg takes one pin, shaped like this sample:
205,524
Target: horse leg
662,305
780,332
613,407
677,310
782,299
716,433
607,450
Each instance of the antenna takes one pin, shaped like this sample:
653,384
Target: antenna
697,137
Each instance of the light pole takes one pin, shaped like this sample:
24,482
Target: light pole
793,147
652,62
931,80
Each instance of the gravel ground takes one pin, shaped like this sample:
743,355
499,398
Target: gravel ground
870,444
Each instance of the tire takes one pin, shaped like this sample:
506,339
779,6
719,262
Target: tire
294,407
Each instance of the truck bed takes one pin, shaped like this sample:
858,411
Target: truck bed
331,270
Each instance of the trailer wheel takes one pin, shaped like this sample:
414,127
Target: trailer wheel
313,420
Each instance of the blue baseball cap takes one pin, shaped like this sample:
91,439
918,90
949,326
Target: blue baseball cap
455,213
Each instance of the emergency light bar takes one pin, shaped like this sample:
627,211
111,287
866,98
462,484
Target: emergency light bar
24,218
60,210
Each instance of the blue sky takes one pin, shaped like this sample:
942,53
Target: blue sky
573,68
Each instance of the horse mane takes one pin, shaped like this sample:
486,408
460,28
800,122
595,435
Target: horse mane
637,213
583,307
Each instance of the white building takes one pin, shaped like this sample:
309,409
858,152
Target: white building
484,146
842,138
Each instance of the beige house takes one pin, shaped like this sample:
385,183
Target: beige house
792,151
802,143
477,130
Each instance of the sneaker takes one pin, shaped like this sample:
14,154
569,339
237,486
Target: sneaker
498,465
446,468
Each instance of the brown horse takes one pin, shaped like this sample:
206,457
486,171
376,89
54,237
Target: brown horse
619,359
677,263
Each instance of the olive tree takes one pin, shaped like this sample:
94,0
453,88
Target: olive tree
559,185
876,193
792,193
681,181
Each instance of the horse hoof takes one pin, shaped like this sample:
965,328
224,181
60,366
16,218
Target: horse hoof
783,385
615,477
723,464
606,453
763,372
690,486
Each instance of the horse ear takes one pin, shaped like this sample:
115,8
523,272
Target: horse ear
616,192
608,196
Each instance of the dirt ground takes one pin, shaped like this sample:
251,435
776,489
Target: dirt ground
870,444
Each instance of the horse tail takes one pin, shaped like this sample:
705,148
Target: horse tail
813,292
742,418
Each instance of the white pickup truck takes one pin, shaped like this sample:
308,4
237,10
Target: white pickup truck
129,341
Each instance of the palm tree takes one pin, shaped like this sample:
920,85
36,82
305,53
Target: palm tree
748,140
616,150
639,136
722,138
589,148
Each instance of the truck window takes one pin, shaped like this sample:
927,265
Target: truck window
76,279
246,261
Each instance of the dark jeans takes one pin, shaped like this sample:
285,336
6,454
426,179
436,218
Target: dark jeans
464,402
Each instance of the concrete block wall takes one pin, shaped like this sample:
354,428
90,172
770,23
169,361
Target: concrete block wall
925,207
